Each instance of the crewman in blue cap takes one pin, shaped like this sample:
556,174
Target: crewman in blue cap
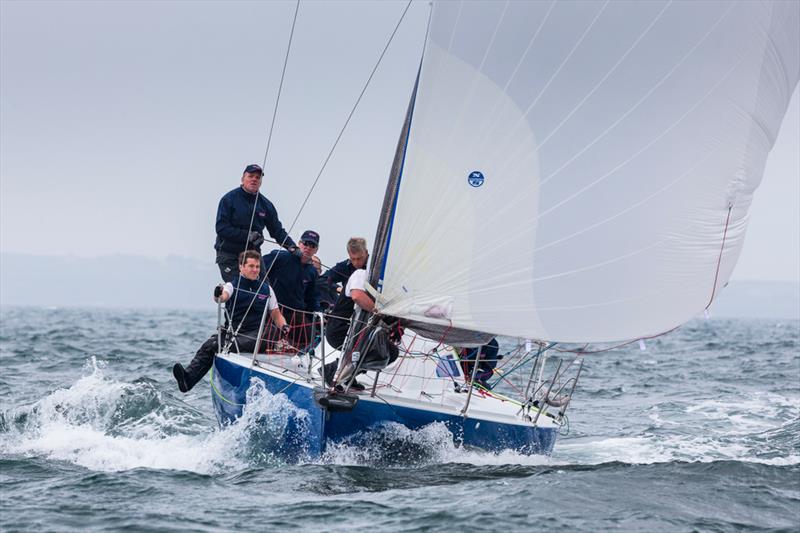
242,215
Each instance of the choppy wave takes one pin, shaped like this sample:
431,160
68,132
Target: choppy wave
702,431
106,425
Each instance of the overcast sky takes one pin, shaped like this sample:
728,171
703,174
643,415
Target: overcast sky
122,124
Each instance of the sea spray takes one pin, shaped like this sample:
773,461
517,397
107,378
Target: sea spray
392,444
106,425
274,430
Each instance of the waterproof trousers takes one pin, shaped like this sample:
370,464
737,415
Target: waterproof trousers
204,358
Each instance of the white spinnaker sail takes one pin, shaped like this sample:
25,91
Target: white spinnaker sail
619,144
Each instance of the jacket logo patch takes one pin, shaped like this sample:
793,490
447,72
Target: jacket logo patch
262,297
262,213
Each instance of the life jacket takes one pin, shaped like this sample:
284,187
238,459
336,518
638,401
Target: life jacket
245,293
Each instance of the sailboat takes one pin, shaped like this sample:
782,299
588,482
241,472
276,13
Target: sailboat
568,174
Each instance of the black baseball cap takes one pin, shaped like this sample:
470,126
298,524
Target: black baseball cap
252,169
310,236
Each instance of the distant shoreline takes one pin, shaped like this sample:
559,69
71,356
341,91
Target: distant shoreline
128,282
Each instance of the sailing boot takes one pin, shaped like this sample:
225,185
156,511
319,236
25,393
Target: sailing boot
347,380
354,386
180,376
188,377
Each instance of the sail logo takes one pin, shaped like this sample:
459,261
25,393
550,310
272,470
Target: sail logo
475,178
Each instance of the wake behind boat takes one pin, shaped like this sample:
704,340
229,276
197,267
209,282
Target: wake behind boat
566,173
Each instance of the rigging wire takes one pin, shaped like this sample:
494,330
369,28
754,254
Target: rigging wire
279,244
272,123
338,137
280,86
350,116
264,161
523,360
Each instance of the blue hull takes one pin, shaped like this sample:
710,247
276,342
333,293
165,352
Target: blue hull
309,428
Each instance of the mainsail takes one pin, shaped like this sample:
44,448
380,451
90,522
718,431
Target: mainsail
582,171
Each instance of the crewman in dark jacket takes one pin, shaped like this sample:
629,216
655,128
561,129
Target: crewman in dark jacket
334,280
294,280
489,356
242,215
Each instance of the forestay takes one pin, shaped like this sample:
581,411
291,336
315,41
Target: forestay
582,171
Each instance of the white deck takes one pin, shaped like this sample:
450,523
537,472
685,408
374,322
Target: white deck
410,381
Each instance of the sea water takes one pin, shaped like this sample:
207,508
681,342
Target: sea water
699,432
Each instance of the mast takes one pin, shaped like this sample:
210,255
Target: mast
383,234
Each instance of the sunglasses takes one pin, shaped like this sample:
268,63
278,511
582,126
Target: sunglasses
309,244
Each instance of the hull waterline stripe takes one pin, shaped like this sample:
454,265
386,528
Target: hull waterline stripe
219,394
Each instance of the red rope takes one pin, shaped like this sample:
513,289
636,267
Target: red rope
713,293
585,352
719,259
402,359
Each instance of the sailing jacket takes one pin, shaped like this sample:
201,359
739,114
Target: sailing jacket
233,221
338,273
245,292
294,282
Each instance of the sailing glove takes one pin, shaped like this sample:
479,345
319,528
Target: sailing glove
297,252
217,291
256,239
285,330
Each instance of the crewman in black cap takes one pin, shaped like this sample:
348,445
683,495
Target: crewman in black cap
242,215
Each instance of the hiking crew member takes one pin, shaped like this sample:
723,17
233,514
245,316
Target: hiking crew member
234,230
245,299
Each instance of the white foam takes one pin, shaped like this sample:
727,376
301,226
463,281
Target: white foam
505,457
76,425
649,449
703,431
81,425
751,413
430,444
